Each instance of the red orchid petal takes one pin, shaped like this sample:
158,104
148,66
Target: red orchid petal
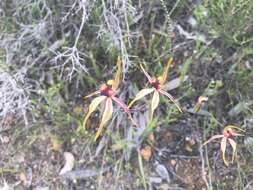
124,107
235,134
92,94
171,99
146,74
121,104
212,139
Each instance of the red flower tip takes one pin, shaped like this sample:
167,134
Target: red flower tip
105,90
228,133
155,83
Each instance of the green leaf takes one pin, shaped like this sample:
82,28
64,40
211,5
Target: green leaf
142,170
185,68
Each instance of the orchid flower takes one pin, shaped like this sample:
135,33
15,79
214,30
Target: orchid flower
157,87
228,134
200,102
107,92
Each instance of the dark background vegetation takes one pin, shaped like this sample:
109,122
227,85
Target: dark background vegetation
54,52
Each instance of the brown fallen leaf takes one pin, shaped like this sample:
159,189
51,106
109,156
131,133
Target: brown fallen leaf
146,152
69,163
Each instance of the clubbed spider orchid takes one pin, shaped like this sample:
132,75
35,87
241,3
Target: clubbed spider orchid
157,87
200,102
229,133
107,93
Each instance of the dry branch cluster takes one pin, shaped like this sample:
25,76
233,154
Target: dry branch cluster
41,37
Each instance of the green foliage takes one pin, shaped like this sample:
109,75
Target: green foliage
230,20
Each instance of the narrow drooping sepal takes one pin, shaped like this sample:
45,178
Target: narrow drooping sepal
171,99
154,103
117,78
92,94
125,108
223,146
234,127
92,107
212,139
140,95
107,114
163,77
121,104
233,144
146,74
